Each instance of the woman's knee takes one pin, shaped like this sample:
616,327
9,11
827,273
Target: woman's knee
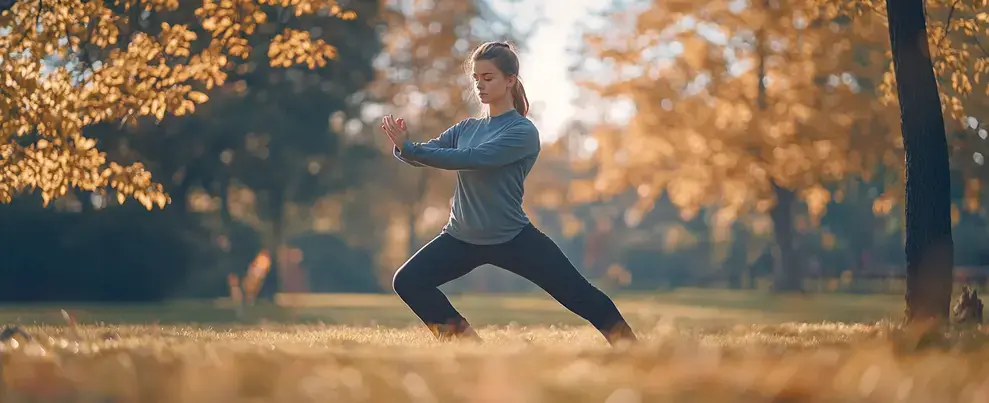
410,278
402,282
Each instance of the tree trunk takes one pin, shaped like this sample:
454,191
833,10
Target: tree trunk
274,280
929,246
226,218
738,256
752,276
787,271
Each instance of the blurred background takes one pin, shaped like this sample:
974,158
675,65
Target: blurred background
728,144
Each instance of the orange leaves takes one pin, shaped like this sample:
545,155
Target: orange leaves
817,199
304,7
49,168
136,182
296,47
680,6
52,168
582,191
198,97
957,40
972,195
746,97
160,5
154,74
696,51
177,39
883,205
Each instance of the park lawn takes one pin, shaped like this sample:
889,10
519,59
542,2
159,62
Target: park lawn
482,309
697,346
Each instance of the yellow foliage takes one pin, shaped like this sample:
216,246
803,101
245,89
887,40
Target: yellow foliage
817,198
571,225
883,205
96,79
296,47
828,240
677,237
743,99
735,97
958,35
973,192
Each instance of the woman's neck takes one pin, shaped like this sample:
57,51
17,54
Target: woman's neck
498,108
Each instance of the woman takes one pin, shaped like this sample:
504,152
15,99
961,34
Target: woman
492,157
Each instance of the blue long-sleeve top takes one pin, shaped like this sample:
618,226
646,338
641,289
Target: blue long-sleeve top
492,157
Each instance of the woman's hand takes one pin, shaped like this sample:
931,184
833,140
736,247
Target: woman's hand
396,130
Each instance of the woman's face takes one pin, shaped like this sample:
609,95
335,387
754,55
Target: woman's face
490,83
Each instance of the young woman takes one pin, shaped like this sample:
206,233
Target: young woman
492,157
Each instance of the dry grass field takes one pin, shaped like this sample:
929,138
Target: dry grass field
697,346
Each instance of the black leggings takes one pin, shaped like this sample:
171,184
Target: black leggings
531,254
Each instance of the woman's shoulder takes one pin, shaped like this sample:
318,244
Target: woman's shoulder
526,124
518,123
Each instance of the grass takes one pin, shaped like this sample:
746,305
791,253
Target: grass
698,346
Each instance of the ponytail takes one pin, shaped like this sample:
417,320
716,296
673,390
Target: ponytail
518,97
506,58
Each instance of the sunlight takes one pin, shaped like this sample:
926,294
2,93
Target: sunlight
731,178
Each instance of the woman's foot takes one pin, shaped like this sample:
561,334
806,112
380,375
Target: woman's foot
455,331
469,334
621,335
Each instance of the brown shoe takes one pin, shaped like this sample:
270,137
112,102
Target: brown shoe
451,331
621,334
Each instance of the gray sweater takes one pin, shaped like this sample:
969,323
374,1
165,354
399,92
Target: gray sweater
492,157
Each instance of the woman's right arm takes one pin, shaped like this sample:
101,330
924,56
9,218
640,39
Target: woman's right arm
447,139
398,155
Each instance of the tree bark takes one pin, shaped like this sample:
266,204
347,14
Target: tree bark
929,246
275,279
787,272
738,254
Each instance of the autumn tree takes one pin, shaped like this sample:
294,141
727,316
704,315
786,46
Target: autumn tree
934,43
78,63
752,108
271,145
958,37
929,247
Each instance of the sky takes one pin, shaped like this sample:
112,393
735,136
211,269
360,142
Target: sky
545,59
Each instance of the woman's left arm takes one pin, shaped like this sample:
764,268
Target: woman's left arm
516,142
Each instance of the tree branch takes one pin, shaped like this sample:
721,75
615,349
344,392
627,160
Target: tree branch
981,47
947,24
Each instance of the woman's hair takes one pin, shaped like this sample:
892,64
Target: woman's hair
505,58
